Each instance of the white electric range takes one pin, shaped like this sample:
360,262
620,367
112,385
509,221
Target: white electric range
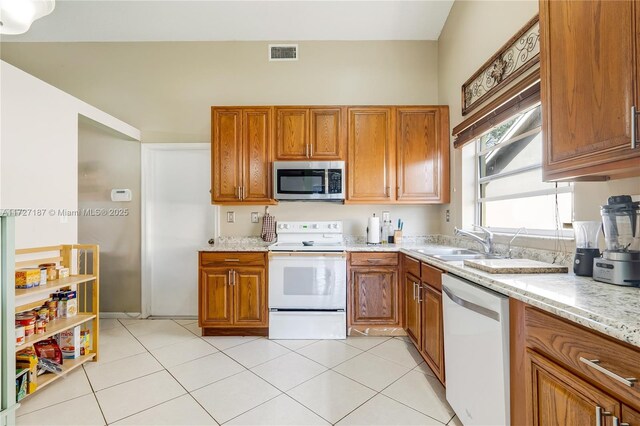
308,281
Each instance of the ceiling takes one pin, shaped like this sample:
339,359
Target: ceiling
212,20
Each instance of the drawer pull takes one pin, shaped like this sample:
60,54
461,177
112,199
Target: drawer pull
595,364
616,422
232,260
375,260
599,414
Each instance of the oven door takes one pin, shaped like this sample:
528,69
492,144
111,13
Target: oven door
303,280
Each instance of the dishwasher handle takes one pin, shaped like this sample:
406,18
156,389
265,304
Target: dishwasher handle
471,306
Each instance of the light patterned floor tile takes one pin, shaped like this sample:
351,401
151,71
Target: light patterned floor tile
118,343
423,393
288,370
381,410
455,421
424,368
105,374
181,352
365,343
73,385
294,345
329,352
172,335
142,327
280,411
79,411
109,323
234,395
203,371
132,397
398,351
256,352
183,410
372,371
226,342
194,328
331,395
186,321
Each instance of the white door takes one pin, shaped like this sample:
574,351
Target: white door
177,220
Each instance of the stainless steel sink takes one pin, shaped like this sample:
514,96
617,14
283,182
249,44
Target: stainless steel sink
452,255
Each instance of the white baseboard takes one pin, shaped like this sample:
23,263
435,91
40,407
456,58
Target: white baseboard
120,315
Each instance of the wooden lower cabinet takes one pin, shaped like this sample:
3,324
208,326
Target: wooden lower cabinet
412,308
375,296
432,335
232,294
557,397
553,378
250,297
216,296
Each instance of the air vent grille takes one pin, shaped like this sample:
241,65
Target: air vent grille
283,52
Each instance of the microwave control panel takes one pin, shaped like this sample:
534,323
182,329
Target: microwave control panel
335,181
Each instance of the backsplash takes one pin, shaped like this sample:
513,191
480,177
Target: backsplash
549,256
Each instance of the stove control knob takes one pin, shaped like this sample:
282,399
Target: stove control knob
286,226
314,226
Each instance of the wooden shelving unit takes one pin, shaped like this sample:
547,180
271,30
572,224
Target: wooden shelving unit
85,283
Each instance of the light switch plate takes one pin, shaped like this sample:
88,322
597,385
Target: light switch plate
231,217
255,217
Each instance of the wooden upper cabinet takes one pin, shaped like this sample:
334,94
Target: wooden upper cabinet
256,180
326,136
226,151
241,155
590,79
371,156
292,134
250,293
557,397
309,133
422,139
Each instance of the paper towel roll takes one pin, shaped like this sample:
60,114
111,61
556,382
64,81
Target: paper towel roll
373,230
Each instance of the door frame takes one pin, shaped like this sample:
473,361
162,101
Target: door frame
147,167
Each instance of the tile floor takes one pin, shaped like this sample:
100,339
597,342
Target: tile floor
162,372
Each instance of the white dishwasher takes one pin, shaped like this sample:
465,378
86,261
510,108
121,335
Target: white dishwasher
476,352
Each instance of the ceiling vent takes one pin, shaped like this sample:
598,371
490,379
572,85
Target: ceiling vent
283,52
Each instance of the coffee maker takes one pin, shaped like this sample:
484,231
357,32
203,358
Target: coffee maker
586,233
620,262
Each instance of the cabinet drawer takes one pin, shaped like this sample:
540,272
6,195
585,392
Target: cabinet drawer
374,259
232,258
576,348
431,276
411,265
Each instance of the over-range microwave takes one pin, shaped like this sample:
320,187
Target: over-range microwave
309,180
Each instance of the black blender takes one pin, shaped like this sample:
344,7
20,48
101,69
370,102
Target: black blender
586,234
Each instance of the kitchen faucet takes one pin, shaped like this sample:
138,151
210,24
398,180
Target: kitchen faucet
486,240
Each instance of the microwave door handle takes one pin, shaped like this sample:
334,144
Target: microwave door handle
326,181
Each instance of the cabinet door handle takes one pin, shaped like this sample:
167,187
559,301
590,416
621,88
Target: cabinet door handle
306,150
595,364
237,188
234,277
601,413
616,422
419,293
229,273
311,149
242,192
387,191
414,291
634,117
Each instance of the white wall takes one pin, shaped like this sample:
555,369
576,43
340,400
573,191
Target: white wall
474,31
39,155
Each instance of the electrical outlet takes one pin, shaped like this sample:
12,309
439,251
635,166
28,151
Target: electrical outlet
447,215
231,217
255,217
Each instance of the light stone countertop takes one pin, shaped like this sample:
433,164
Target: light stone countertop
609,309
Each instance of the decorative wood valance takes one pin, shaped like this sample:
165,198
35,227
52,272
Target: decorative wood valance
519,54
520,97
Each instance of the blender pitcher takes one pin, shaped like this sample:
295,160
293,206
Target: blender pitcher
586,234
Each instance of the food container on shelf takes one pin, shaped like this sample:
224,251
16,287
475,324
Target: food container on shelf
28,321
62,272
53,309
20,338
43,276
41,326
27,277
51,270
